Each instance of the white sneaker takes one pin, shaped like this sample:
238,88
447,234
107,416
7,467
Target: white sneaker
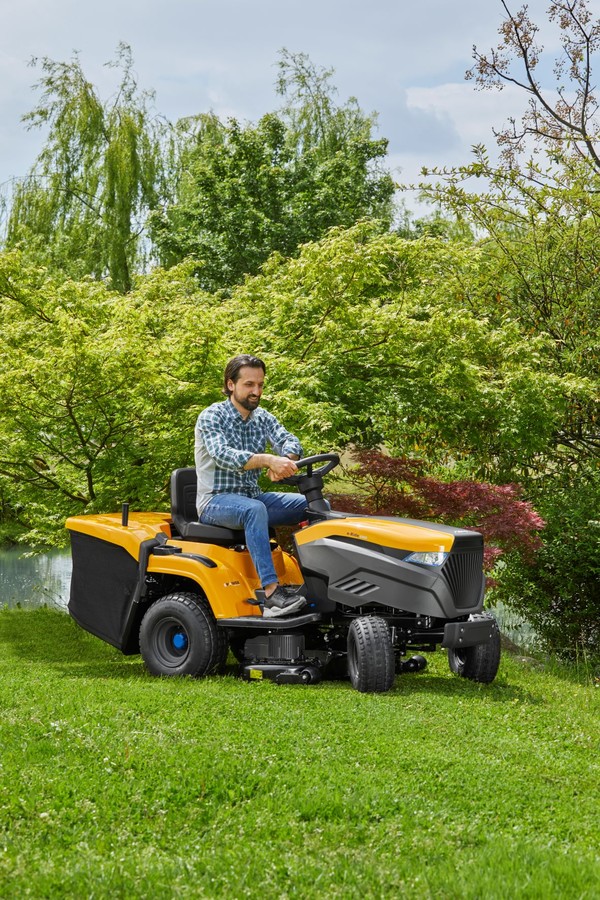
274,612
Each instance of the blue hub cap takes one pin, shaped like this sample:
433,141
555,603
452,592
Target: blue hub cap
179,640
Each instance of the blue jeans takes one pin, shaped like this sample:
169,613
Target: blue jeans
256,517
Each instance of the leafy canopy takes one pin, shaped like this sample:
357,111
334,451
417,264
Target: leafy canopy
245,191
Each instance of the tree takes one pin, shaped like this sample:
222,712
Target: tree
231,207
99,391
375,341
537,221
559,592
564,121
366,336
245,191
538,224
82,208
314,121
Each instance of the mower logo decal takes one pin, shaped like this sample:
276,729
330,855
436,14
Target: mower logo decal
230,583
352,534
255,673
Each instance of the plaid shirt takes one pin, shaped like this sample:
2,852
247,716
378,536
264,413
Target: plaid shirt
225,442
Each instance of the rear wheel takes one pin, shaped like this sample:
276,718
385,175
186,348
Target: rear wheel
478,663
371,664
179,636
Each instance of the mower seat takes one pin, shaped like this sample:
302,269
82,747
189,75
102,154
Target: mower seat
185,515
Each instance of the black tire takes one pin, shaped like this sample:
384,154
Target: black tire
179,636
478,663
371,664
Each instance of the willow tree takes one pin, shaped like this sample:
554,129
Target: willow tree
83,206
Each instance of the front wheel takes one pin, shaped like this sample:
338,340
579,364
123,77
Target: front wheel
478,663
371,664
179,636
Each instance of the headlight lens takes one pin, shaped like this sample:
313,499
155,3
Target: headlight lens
427,558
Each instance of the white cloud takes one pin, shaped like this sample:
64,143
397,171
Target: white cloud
474,113
467,115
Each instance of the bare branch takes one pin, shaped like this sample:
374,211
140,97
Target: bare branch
567,124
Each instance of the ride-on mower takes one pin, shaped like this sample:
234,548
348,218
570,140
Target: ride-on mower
183,593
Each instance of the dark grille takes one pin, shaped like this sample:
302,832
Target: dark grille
355,586
463,571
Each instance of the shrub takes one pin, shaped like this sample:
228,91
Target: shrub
399,486
559,593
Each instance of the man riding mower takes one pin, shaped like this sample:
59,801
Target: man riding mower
374,589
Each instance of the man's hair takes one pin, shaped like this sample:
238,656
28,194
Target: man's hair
232,369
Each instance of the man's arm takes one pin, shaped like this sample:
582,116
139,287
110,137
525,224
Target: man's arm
283,441
278,466
286,445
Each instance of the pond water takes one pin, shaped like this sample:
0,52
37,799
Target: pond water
31,580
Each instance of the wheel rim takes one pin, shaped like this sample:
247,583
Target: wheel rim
171,642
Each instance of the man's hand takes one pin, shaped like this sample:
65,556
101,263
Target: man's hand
277,467
281,467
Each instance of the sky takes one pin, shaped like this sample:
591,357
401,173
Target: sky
404,59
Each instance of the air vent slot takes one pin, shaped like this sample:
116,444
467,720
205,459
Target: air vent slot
356,586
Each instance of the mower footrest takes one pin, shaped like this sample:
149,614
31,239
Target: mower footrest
284,623
477,630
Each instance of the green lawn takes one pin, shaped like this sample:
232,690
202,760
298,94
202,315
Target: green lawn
117,784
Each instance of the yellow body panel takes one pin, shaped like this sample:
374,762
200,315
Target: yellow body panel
227,585
107,527
398,535
231,582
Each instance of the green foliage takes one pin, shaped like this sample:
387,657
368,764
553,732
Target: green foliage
245,191
375,342
536,215
116,784
97,390
81,210
315,123
363,343
559,593
539,248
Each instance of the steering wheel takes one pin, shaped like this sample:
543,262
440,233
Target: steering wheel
331,460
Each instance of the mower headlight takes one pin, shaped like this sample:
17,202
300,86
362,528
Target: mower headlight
427,557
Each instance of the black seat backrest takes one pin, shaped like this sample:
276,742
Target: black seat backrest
185,515
183,494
